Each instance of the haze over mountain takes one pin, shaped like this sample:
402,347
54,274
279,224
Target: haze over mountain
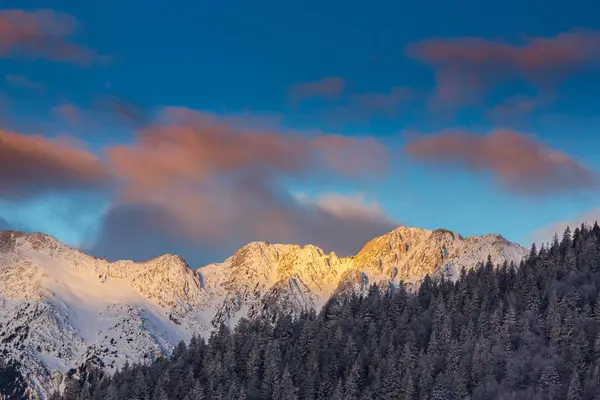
60,308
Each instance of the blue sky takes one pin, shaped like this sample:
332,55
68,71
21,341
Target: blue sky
241,59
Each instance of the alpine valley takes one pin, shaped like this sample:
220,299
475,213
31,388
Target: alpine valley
60,308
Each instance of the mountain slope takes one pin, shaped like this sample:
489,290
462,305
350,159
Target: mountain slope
60,308
409,254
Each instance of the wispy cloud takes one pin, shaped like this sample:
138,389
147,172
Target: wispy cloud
518,162
70,112
42,34
199,177
206,180
465,67
33,164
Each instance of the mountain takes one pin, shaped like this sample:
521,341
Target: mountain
60,308
525,333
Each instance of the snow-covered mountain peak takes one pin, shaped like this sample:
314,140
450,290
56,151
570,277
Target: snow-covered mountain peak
489,238
60,308
443,235
171,260
409,254
10,240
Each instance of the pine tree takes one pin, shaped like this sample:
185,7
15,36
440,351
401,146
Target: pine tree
354,382
574,392
285,389
550,382
196,392
522,331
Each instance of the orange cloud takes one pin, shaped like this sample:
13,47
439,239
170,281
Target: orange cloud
327,88
518,162
33,164
205,181
43,34
212,182
465,66
194,147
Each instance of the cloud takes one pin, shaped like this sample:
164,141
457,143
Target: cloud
516,161
326,88
546,233
466,66
42,34
35,164
69,112
124,111
216,186
356,206
203,184
521,105
192,147
131,233
24,82
218,223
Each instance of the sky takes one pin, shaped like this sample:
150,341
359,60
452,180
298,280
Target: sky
195,127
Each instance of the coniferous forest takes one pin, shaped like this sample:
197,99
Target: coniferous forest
530,331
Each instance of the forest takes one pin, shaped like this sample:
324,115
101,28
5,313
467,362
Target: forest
528,331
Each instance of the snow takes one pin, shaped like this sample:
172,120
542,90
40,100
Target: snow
61,308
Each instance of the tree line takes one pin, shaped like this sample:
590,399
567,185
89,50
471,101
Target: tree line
527,331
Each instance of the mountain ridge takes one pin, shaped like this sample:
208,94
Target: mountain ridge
60,308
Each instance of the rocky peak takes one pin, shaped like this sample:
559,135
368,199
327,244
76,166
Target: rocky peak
312,266
168,261
81,306
8,239
443,235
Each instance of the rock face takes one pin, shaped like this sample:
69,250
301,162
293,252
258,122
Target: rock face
60,308
409,254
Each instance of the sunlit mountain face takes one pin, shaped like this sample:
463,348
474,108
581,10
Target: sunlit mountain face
62,308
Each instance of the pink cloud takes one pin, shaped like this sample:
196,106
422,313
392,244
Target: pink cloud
32,164
211,181
69,112
517,161
466,66
195,147
207,181
42,34
327,88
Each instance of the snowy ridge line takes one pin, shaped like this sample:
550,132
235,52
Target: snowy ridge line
60,308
